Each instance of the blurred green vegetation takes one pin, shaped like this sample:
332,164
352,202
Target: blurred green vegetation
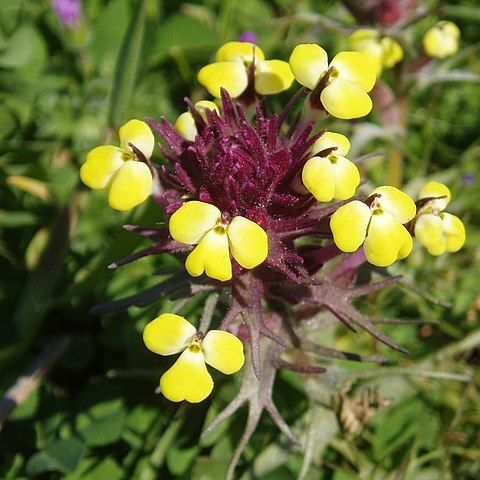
95,415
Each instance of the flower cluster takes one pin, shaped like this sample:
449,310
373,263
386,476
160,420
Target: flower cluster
188,379
201,224
241,63
441,40
123,171
332,176
257,203
377,224
381,52
437,230
344,83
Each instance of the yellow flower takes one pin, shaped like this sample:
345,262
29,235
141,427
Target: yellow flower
188,378
201,224
435,229
333,176
350,77
441,40
231,71
379,226
380,52
127,179
185,124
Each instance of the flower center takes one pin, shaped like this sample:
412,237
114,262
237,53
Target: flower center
220,229
127,156
333,73
374,203
195,344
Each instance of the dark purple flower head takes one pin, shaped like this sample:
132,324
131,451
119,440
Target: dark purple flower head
69,12
244,169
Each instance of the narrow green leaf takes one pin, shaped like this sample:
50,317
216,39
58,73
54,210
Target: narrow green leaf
16,219
127,67
469,12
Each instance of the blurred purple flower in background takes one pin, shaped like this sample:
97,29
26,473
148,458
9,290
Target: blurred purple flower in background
69,12
248,36
469,178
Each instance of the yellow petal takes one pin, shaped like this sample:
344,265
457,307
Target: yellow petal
392,52
407,246
230,75
241,52
396,202
454,231
436,189
100,166
223,351
347,177
272,76
353,68
192,221
362,37
188,378
138,133
449,29
374,56
308,63
131,186
433,43
345,100
185,126
248,242
331,139
429,232
168,334
373,53
349,225
319,178
211,256
385,239
203,105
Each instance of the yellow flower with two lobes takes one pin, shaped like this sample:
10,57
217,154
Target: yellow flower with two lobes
380,52
185,124
435,229
116,169
379,226
231,69
199,223
441,40
333,176
350,77
188,378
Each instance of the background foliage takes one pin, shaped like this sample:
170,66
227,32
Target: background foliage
95,415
